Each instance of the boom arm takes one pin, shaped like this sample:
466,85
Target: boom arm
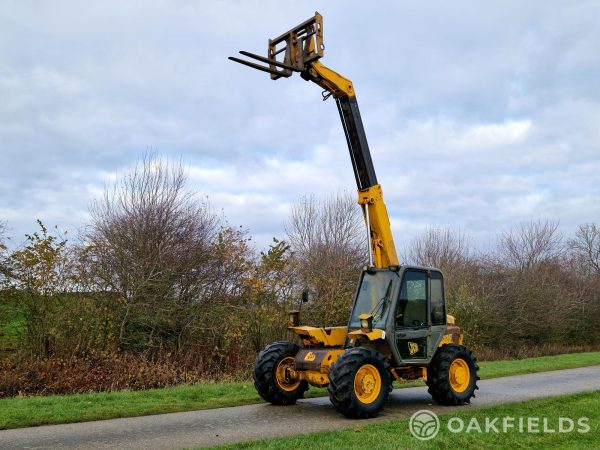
303,47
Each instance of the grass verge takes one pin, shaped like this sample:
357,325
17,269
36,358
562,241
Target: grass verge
31,411
394,434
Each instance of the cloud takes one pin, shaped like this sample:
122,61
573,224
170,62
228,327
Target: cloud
478,115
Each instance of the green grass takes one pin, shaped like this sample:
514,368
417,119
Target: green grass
30,411
11,325
395,434
495,369
19,412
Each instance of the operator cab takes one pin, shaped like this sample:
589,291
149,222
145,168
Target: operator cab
408,304
374,295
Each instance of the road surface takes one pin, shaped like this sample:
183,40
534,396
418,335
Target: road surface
225,425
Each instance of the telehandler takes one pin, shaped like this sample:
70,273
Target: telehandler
398,328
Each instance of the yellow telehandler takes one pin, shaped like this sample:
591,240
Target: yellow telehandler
398,328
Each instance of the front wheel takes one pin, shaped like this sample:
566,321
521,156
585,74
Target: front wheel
360,383
272,374
452,375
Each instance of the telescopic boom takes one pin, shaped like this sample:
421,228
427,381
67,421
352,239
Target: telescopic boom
301,48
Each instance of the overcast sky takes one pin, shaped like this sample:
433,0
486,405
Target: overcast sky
479,115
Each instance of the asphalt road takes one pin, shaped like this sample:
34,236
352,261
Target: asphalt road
219,426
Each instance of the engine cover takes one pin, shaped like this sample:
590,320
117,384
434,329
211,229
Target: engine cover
319,359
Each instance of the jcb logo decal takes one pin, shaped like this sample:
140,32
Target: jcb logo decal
310,356
413,348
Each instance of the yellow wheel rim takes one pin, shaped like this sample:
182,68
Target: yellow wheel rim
367,383
460,375
283,375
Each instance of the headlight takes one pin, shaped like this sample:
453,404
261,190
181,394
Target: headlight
366,322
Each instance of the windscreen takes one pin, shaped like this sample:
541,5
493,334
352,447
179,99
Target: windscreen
374,297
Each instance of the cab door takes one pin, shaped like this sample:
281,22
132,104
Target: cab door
411,316
437,310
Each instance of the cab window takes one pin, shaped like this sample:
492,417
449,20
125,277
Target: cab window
438,307
374,296
412,304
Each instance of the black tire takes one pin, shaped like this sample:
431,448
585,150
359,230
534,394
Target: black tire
342,383
265,374
438,375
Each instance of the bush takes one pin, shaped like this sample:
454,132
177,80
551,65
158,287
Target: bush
100,372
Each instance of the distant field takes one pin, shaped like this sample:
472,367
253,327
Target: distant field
11,322
395,434
30,411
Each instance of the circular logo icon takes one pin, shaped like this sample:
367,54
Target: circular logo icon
424,425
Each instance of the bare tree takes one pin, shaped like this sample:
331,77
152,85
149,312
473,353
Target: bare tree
530,244
151,241
329,240
335,223
443,248
587,244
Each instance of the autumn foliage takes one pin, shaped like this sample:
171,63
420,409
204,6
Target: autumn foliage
159,289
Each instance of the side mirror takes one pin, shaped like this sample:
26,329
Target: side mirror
305,295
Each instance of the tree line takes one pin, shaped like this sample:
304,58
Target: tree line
159,288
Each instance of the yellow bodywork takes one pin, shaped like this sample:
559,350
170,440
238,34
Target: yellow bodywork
313,365
313,377
326,337
382,241
321,377
333,336
323,348
330,342
330,80
451,339
372,335
453,334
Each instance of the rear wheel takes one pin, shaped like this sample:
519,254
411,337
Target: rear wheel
452,375
360,383
272,374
